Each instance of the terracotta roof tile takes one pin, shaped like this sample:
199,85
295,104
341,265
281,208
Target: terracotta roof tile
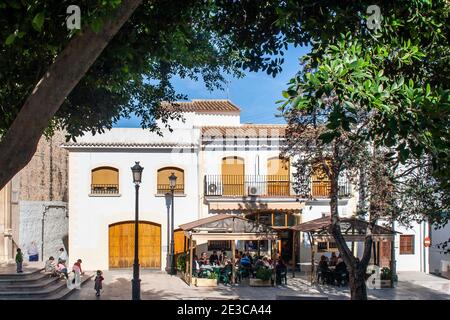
209,105
246,130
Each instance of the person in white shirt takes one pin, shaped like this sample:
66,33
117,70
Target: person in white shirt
33,252
63,255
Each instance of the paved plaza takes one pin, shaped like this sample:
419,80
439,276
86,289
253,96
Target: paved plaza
159,285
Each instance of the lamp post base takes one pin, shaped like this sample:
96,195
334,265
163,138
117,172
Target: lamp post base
136,283
136,289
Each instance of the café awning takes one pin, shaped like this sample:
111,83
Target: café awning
353,229
256,206
227,227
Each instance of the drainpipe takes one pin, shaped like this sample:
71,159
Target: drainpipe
393,262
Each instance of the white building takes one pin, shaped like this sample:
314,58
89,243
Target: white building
222,166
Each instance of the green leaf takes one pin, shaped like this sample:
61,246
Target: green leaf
38,21
327,137
96,25
10,39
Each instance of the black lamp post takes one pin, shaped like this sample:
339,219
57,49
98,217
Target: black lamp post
136,282
172,183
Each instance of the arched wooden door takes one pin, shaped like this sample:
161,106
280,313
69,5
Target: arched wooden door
278,177
121,245
233,172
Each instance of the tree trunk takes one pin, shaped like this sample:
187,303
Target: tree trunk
357,269
19,144
357,284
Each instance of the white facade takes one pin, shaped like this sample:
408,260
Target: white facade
197,146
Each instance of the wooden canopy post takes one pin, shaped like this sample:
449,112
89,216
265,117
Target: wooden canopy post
191,252
233,261
293,253
188,262
311,240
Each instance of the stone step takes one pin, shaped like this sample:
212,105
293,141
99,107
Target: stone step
63,294
32,277
27,274
42,282
54,291
36,293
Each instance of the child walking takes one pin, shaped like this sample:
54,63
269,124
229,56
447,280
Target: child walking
98,283
19,260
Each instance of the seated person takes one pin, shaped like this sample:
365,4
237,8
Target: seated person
249,256
323,270
214,258
245,261
223,257
203,259
62,269
50,266
195,265
333,259
266,262
341,272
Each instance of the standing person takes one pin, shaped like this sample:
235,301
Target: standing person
76,269
62,255
98,282
19,260
33,252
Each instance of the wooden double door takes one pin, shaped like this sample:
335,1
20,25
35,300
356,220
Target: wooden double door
121,245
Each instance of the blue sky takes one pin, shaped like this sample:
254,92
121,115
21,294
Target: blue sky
255,94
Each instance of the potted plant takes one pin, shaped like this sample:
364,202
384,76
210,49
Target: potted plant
385,277
211,281
263,278
181,264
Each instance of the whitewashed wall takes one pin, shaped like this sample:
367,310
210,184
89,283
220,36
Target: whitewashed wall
419,260
55,226
90,216
438,259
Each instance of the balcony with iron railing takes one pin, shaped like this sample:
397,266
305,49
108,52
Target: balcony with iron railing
165,188
104,188
266,186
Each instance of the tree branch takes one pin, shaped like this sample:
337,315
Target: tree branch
20,141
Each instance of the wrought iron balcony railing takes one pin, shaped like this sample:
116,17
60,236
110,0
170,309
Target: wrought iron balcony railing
265,186
165,188
104,188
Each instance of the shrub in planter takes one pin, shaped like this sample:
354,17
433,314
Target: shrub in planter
385,274
181,262
263,273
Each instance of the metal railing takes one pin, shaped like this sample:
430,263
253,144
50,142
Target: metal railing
165,188
266,186
104,188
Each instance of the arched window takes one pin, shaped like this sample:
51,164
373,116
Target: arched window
163,184
278,177
233,173
105,180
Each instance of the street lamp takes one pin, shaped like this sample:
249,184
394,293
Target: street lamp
172,184
136,282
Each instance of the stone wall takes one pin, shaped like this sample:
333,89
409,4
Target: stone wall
43,182
45,176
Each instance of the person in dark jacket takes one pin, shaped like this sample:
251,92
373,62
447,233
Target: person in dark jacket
214,258
98,282
341,272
